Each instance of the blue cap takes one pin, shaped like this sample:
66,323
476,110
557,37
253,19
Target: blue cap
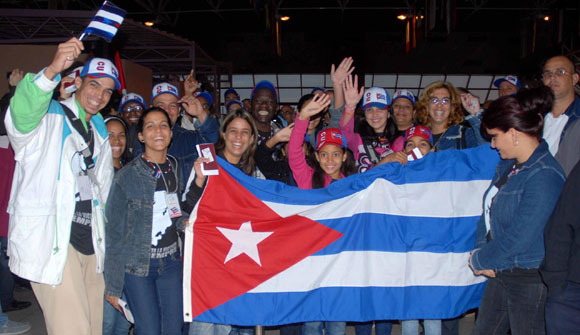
318,89
163,88
101,67
264,84
206,96
234,102
376,97
510,79
405,94
131,97
231,90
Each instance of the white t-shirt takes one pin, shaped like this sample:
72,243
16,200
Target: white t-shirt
553,130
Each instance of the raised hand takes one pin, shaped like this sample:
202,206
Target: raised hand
15,77
344,69
62,89
351,94
470,103
314,106
65,55
190,84
283,135
199,177
193,107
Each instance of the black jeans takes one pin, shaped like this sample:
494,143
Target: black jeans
507,304
563,311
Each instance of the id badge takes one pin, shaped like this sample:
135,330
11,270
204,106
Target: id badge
173,205
84,186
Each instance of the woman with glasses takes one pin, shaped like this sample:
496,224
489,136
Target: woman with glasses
439,108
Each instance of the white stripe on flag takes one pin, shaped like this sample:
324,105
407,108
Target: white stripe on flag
104,27
446,200
373,268
110,16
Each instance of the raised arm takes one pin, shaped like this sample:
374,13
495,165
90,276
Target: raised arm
338,76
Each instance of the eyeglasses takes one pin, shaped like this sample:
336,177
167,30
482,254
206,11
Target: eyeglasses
133,109
547,74
442,101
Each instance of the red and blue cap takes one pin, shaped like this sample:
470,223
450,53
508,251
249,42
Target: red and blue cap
131,97
405,94
420,131
510,79
330,136
376,97
163,88
100,68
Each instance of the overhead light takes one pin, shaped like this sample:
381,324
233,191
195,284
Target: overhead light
284,18
422,17
546,18
402,17
149,23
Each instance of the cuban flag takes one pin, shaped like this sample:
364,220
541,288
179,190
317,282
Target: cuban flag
106,22
389,244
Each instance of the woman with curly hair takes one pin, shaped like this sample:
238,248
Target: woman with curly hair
439,108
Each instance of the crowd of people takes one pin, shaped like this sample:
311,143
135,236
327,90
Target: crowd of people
100,198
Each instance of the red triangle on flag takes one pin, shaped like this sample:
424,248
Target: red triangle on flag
226,204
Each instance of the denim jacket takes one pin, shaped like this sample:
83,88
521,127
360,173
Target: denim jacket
519,212
129,223
452,138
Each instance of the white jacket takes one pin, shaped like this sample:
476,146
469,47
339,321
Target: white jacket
42,199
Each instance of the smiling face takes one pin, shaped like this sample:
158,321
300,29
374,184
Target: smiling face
376,118
418,142
132,112
403,113
93,93
439,112
237,137
156,133
117,138
169,103
330,157
263,106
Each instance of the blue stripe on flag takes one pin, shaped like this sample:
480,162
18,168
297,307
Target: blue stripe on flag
338,304
111,8
369,231
476,164
107,21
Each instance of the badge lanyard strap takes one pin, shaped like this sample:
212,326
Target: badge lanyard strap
159,171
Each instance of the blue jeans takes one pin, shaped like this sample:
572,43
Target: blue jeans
114,323
366,328
206,328
509,305
411,327
156,301
242,330
332,328
563,310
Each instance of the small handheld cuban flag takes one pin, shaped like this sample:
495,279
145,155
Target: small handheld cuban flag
106,22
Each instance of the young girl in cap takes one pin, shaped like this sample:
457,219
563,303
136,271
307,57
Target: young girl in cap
377,139
330,148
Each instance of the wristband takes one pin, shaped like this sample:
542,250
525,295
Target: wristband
348,109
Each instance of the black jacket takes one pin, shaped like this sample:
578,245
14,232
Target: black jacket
562,238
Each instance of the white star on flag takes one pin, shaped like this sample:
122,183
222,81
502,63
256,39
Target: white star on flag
244,241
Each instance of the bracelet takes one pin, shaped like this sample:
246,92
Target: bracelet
348,110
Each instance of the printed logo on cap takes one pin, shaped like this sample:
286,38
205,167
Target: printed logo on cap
164,88
101,67
404,94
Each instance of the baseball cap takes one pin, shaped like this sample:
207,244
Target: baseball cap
420,131
229,91
131,97
376,97
264,84
163,88
330,136
405,94
204,95
234,102
510,79
318,89
101,67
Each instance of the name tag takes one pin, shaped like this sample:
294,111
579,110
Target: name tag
84,186
173,205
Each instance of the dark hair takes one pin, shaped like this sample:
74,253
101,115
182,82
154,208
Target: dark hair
524,112
347,168
150,110
125,156
246,163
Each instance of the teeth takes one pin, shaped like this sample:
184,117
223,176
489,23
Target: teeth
134,119
116,148
264,113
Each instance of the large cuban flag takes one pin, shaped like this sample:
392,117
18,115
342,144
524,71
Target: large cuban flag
389,244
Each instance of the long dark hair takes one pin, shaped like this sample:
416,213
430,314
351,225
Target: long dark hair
125,156
150,110
524,112
368,134
347,168
246,163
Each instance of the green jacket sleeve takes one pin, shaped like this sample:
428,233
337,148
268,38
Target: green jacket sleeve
31,100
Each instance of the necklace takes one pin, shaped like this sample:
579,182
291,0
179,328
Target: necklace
435,146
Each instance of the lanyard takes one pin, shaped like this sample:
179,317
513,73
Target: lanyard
159,173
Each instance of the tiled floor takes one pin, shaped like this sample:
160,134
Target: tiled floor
33,315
